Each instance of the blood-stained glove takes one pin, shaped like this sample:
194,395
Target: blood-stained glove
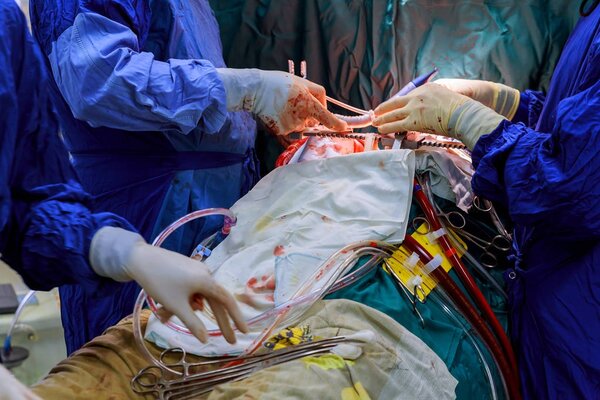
500,98
433,108
283,102
175,281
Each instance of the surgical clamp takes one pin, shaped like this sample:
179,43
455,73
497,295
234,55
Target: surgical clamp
152,380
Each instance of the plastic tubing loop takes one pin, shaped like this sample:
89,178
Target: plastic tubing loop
6,349
358,121
453,291
441,302
229,221
348,107
357,250
280,318
313,296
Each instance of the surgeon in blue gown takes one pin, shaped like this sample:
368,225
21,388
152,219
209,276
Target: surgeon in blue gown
538,155
156,125
49,229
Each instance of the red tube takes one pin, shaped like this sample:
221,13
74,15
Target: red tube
464,275
471,314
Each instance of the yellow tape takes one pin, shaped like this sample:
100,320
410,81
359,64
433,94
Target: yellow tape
398,262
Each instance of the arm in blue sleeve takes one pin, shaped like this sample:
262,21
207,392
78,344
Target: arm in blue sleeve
550,180
108,81
530,107
46,223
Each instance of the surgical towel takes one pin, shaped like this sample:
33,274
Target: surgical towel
291,222
396,365
450,174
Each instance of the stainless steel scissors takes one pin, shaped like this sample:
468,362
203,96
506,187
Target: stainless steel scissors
498,243
154,380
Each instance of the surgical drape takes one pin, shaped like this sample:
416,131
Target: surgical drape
46,218
548,178
144,118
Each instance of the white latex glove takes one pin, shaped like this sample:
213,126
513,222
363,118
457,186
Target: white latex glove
170,278
283,102
500,98
12,389
434,109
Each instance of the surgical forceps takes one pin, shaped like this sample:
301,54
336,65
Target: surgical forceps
486,206
456,222
497,243
153,380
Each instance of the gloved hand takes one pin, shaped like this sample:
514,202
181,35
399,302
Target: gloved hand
12,389
500,98
170,278
284,103
434,109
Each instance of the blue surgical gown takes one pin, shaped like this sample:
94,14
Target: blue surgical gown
46,222
545,167
144,118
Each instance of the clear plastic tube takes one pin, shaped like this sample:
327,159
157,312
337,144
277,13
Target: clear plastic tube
348,107
441,302
358,121
301,300
229,222
284,318
7,342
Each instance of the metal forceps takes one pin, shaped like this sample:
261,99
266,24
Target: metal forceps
486,206
457,222
155,381
497,243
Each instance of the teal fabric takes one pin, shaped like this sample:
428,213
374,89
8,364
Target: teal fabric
445,337
443,334
363,51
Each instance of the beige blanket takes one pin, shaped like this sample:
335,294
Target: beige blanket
397,365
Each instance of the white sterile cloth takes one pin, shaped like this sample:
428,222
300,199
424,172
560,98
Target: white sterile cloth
450,175
291,222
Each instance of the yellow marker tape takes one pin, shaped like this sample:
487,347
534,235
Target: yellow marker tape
356,392
409,276
327,361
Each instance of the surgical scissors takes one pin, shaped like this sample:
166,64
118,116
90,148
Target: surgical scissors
153,380
498,243
456,222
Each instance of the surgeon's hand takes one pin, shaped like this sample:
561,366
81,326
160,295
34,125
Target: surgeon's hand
12,389
433,108
500,98
175,281
283,102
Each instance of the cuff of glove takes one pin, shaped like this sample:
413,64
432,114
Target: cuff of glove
240,87
471,120
506,101
110,251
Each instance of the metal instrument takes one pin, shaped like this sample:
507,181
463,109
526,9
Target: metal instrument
193,381
486,206
398,140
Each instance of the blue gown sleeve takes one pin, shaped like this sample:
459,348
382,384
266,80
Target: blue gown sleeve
46,219
108,81
547,179
530,107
